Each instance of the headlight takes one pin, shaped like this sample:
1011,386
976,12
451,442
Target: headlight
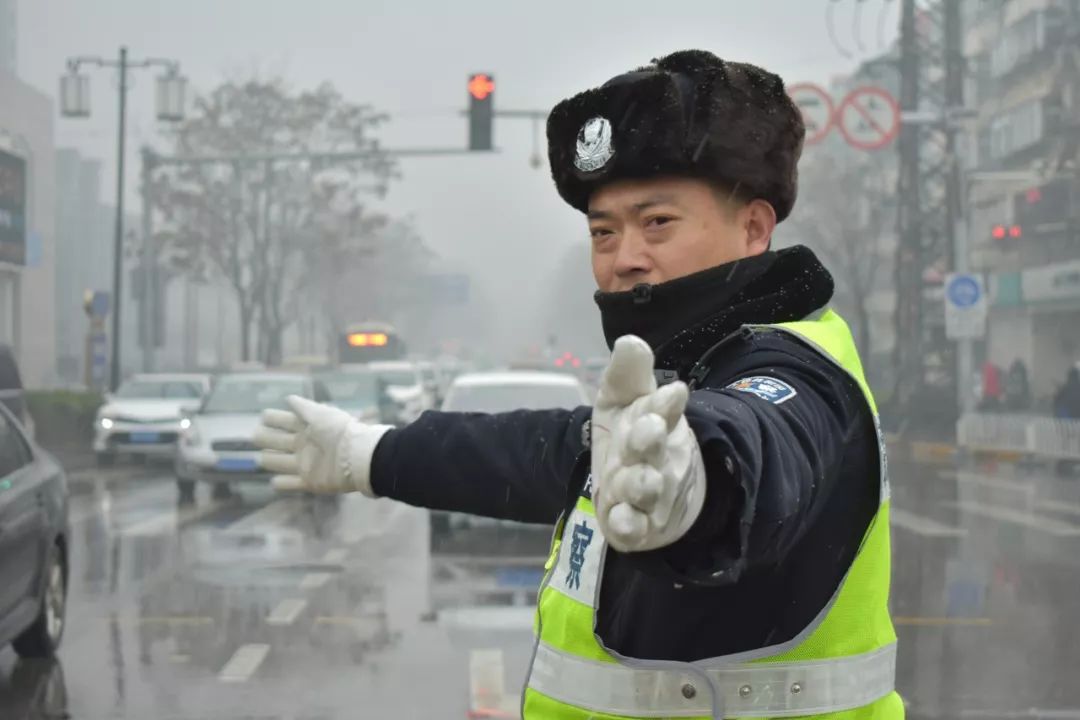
189,434
106,423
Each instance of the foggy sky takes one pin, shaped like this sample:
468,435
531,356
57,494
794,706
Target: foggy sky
494,216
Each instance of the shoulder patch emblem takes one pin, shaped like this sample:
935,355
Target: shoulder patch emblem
767,388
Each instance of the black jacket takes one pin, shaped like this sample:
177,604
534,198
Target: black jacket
793,481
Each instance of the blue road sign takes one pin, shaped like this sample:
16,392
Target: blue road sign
963,291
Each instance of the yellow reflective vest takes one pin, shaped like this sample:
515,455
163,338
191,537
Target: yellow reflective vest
841,667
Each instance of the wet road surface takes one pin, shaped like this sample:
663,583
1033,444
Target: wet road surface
289,608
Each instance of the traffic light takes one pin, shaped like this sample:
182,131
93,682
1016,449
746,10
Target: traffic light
481,90
1000,232
1045,209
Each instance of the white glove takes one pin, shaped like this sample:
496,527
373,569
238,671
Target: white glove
317,448
648,476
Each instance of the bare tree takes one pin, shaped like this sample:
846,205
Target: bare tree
845,214
253,221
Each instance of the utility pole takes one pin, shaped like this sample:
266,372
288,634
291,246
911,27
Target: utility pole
956,202
148,306
75,102
118,238
908,350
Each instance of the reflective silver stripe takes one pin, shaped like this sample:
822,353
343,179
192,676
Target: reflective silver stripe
751,690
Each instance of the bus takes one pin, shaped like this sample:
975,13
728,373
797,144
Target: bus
370,342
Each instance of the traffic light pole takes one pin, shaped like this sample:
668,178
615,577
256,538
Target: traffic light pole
118,238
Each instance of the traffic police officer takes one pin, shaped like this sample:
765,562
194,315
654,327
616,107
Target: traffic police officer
722,512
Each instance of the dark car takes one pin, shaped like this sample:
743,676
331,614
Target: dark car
33,543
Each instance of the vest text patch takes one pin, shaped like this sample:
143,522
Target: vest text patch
766,388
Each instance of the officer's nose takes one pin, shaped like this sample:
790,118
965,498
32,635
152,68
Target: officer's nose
632,261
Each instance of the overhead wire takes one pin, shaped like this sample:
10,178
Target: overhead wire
831,28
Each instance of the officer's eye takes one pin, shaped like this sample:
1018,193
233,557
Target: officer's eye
658,221
599,233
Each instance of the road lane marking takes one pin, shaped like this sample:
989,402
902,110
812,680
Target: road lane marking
274,514
942,621
968,478
315,580
923,526
1058,506
286,611
175,620
168,521
335,556
1018,517
244,662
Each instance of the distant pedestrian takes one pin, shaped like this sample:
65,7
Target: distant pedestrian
1067,398
991,388
1017,388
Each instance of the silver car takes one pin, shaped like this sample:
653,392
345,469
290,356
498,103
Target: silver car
402,390
216,440
34,543
143,416
499,392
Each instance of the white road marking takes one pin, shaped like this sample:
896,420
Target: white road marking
168,521
487,682
336,556
1058,506
274,514
995,483
1018,517
244,662
286,611
315,580
923,526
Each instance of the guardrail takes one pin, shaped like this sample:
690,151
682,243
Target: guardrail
1033,435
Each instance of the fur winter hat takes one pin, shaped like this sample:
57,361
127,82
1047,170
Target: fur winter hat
687,114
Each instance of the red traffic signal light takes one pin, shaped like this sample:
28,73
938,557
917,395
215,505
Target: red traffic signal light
481,88
999,232
481,85
1016,232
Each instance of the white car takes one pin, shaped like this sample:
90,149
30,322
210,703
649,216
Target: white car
216,443
143,416
497,392
352,388
404,395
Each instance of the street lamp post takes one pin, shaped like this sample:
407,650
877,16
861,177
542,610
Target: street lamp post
75,102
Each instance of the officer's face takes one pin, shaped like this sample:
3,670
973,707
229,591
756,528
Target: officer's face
651,231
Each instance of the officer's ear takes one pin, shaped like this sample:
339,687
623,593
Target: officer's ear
758,219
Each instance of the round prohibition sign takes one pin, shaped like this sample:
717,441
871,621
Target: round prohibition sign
869,118
817,109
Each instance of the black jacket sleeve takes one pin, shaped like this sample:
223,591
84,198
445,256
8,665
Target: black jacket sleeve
511,466
773,464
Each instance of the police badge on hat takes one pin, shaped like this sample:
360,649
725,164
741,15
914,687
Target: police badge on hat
594,145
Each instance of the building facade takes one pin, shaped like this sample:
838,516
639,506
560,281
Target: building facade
1024,201
9,48
83,256
27,252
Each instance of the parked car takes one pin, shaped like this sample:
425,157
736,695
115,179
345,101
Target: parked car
143,416
353,388
216,440
402,392
34,543
496,392
11,388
